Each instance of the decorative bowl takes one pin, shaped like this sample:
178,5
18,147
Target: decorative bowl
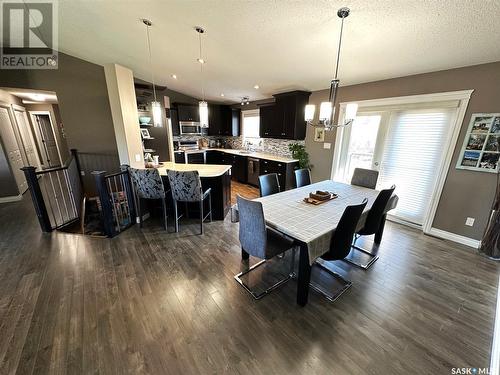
144,120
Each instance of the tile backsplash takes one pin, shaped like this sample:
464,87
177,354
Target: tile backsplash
269,145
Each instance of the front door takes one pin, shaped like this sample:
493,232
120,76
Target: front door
46,140
26,136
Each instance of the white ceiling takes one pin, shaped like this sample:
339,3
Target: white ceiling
280,44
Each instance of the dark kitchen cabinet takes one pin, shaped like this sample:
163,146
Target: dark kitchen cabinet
239,170
174,119
285,172
285,118
213,157
188,112
267,121
223,120
196,158
179,157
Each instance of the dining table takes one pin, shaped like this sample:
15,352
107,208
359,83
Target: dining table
312,226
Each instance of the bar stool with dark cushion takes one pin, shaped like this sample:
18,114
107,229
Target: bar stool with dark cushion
302,177
260,241
148,185
373,224
365,178
340,246
269,184
186,187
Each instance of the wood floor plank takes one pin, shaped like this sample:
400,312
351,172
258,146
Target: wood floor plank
157,302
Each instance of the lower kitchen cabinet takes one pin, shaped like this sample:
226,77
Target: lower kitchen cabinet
285,172
179,157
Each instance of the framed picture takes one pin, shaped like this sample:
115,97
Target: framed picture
481,147
319,134
145,133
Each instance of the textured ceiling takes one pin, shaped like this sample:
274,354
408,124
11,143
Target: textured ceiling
281,44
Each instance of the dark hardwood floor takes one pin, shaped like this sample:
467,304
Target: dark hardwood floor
154,302
244,190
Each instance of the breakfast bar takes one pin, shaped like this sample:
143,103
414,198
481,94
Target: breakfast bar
216,177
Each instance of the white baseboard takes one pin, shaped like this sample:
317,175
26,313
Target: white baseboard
454,237
12,198
495,347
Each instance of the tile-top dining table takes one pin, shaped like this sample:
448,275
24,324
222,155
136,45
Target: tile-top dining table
312,226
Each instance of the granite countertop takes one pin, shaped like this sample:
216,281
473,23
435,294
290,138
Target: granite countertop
256,154
205,170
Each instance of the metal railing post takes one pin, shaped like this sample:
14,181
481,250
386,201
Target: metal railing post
130,192
106,207
74,152
37,197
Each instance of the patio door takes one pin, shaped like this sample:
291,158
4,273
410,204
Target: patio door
406,146
362,144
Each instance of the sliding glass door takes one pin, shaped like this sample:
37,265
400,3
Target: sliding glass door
406,147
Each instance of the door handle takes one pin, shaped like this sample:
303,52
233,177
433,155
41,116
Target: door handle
376,163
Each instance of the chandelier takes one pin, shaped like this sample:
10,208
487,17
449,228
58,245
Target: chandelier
327,109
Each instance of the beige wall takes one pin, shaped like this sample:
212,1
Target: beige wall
465,193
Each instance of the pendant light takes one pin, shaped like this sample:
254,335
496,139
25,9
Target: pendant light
203,105
327,109
155,104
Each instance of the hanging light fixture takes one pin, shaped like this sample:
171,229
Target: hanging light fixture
203,105
327,109
155,104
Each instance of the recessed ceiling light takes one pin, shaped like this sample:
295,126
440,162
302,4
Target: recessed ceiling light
222,94
201,61
256,87
174,76
38,97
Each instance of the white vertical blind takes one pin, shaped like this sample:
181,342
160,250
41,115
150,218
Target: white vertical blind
413,149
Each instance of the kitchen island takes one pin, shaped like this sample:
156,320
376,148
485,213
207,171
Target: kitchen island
216,177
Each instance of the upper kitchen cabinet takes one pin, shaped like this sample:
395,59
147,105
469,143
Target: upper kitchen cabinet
268,124
223,120
285,118
188,112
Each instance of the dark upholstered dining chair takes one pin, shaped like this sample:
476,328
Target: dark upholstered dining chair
302,177
186,187
365,178
374,220
340,246
148,185
269,184
260,241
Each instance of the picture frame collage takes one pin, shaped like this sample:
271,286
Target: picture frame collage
481,147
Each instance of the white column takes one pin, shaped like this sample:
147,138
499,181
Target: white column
121,93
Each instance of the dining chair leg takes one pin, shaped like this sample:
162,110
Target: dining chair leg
201,216
210,205
346,284
244,254
164,204
176,217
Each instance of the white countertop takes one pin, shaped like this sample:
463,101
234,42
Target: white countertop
205,170
258,155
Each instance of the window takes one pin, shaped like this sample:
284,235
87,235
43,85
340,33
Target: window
405,145
250,124
413,149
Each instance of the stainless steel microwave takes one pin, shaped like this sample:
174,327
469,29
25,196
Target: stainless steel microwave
191,128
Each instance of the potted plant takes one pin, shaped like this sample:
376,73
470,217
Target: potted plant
299,152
